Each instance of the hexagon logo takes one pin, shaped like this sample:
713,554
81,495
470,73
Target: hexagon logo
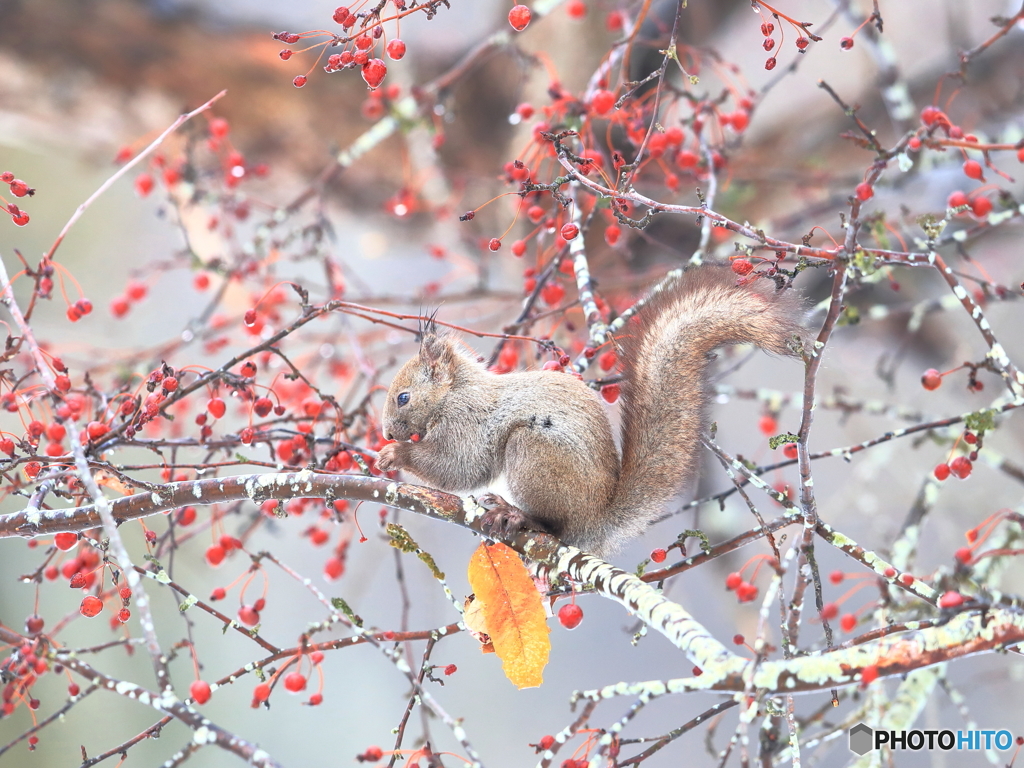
862,739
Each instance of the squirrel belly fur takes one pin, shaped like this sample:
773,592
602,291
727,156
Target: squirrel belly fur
547,432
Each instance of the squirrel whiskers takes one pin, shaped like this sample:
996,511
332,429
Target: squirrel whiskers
548,434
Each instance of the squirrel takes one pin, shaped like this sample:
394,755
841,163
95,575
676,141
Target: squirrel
460,427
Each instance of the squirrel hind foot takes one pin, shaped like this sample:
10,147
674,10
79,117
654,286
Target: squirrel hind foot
503,521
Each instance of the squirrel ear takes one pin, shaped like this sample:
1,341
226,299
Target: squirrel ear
436,355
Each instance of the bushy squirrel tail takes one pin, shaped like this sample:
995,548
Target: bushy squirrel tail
666,349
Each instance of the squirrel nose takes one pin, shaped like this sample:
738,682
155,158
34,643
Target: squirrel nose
387,436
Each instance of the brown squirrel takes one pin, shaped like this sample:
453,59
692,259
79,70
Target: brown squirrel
547,431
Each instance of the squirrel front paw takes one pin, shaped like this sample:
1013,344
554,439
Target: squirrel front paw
388,457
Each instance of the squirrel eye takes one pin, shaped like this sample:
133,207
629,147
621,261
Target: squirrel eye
403,399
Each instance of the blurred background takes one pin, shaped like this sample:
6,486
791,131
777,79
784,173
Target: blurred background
81,80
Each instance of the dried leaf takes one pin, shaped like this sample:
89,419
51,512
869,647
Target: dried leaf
513,613
113,482
473,618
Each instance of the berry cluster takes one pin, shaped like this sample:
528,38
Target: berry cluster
18,188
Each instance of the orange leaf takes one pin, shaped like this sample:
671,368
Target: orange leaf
513,613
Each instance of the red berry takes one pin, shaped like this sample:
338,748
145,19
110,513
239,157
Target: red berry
119,306
602,102
941,471
733,580
576,9
295,682
658,555
846,43
552,293
218,593
136,291
864,191
186,516
981,206
972,169
930,114
396,49
450,670
33,468
931,379
123,615
62,383
964,555
91,606
746,592
263,406
169,384
65,541
770,64
248,615
19,188
802,43
768,425
612,233
570,615
125,593
341,13
200,691
143,184
334,568
34,625
519,17
374,71
319,536
906,579
569,231
216,407
951,600
610,392
299,81
957,200
742,267
961,466
96,429
215,555
493,244
836,577
848,622
261,692
518,248
829,611
790,451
